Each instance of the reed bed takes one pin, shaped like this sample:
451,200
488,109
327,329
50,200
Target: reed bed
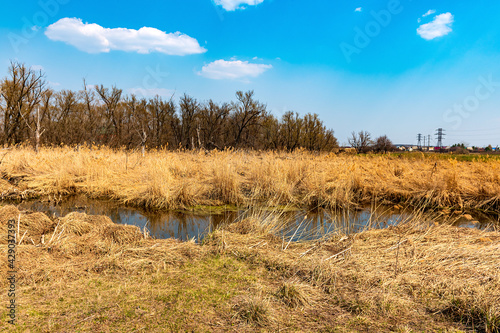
75,273
403,278
163,179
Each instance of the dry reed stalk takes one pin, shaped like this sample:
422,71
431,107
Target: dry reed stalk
165,179
443,280
454,276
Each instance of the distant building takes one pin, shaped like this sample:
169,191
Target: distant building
406,147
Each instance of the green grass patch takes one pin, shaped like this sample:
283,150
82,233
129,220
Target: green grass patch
190,297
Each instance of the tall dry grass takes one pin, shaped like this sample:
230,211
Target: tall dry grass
404,273
82,273
170,180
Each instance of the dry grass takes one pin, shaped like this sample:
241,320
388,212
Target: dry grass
33,225
252,310
413,275
173,180
294,294
409,278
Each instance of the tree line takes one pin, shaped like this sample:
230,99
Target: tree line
363,143
32,112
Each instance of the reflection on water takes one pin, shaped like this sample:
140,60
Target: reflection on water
302,225
185,225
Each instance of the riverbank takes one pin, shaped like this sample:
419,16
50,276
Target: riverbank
183,180
83,272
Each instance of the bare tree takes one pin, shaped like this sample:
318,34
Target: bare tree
247,114
271,138
137,121
212,118
92,120
64,117
383,144
165,124
19,95
111,99
315,137
38,130
360,141
188,108
44,112
30,111
291,130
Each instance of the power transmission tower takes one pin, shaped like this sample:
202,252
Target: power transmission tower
440,136
428,142
424,144
419,138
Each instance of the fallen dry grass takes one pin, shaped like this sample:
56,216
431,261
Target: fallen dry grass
81,273
171,180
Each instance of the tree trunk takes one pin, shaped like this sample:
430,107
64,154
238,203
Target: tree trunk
38,134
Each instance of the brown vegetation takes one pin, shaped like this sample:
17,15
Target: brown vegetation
32,112
171,180
408,278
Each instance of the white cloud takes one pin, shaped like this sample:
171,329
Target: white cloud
231,5
359,9
93,38
232,70
440,26
54,84
151,92
429,12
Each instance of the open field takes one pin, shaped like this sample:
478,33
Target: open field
177,180
83,273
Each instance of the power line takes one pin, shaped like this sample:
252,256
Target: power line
475,136
440,136
477,130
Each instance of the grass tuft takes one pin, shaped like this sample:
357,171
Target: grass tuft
293,294
253,310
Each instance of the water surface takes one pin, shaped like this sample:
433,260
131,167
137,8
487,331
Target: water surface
185,225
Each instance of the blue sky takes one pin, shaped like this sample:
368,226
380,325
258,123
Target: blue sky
388,67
